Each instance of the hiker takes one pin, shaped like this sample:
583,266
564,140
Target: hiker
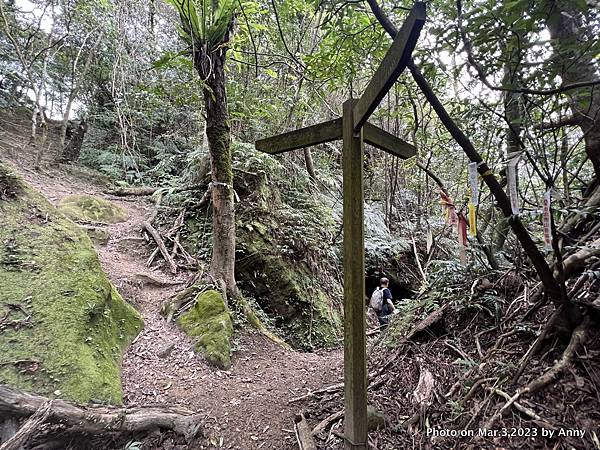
381,302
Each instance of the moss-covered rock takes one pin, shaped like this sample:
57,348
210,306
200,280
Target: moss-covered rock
99,236
88,208
67,325
286,289
209,321
375,419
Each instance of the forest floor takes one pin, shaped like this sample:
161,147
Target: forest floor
246,407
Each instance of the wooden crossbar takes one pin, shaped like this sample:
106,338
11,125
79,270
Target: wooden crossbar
391,67
388,142
355,130
304,137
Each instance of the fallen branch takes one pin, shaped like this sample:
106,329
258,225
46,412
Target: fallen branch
143,191
133,191
326,390
303,435
427,322
324,424
161,246
28,429
99,420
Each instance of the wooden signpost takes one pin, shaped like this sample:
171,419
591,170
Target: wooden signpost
354,129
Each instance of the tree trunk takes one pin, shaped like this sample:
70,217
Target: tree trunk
570,33
310,166
211,68
513,112
95,420
71,151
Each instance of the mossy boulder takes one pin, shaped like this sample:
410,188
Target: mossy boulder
210,322
94,209
66,325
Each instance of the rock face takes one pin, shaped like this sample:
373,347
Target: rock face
286,288
285,256
209,321
63,326
287,265
94,209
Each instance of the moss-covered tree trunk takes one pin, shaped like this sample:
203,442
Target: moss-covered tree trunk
211,68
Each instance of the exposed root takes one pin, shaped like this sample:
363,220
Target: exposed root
537,344
161,245
579,337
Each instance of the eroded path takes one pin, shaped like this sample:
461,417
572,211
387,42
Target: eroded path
247,406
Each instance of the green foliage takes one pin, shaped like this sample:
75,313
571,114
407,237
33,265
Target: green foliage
204,22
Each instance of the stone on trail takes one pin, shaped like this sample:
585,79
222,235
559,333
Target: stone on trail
92,209
210,322
375,419
63,325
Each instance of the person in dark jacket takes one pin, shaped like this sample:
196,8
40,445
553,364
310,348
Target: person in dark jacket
387,307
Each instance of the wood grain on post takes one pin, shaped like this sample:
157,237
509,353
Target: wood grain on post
394,62
355,352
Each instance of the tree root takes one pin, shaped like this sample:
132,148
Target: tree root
579,337
537,344
100,420
578,260
182,301
525,410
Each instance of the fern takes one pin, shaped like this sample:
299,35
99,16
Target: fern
203,22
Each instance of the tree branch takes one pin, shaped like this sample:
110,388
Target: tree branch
529,246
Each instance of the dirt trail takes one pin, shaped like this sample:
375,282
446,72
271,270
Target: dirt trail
247,406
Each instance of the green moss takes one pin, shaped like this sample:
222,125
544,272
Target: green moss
77,324
85,207
209,321
286,290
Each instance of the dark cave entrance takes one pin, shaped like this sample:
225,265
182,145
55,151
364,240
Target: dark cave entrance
399,288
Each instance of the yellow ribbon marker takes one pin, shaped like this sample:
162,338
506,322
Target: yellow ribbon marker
472,219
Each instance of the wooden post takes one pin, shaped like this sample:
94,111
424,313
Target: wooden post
355,352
